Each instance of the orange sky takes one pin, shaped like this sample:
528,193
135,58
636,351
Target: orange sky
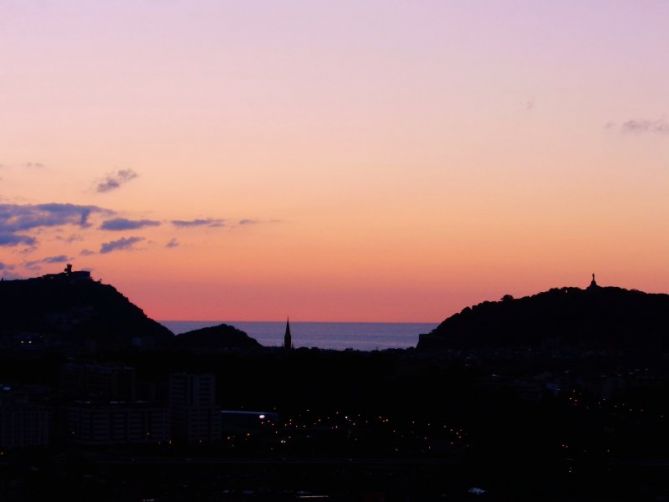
369,160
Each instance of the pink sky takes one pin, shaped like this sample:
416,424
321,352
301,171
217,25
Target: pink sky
350,160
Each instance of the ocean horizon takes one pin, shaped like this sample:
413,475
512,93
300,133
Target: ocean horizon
323,335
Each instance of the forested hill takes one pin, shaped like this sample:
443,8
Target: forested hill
220,337
596,318
72,308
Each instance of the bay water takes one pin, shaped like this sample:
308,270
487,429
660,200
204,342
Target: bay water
324,335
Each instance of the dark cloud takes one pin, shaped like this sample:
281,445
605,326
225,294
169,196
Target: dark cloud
119,224
115,180
19,218
6,266
173,243
15,219
202,222
659,126
117,245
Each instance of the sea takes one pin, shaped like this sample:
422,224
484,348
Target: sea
323,335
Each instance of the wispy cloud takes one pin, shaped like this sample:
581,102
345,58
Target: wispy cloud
61,258
24,165
70,239
86,252
10,239
48,260
119,224
120,244
201,222
172,243
115,180
247,221
645,126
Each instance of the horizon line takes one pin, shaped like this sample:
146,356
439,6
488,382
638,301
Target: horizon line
298,322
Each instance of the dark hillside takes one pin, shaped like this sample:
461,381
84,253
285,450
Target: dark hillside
592,318
71,308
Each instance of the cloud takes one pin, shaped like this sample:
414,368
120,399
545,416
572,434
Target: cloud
644,126
6,266
117,245
114,181
202,222
18,218
25,165
72,238
247,221
118,224
61,258
173,243
49,259
10,239
86,252
15,219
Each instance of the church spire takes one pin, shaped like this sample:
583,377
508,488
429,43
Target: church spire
593,283
287,338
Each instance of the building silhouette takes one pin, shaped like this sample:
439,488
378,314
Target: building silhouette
194,415
23,423
117,422
92,381
287,338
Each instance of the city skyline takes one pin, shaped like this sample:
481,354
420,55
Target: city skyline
364,161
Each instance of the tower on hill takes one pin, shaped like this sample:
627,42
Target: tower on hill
287,338
593,283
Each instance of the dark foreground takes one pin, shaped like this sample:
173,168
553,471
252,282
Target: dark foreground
394,425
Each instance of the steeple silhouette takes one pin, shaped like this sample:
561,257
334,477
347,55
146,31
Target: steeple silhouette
287,338
593,283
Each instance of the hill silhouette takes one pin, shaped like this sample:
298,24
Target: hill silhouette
593,318
220,337
72,309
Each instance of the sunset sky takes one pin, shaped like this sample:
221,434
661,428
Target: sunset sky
363,160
